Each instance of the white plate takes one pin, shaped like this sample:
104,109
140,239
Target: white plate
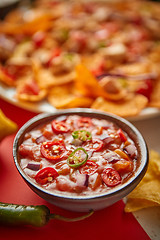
8,94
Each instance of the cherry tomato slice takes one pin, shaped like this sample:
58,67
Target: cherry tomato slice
30,88
46,175
122,135
111,177
56,53
59,127
84,122
146,88
94,145
54,150
89,168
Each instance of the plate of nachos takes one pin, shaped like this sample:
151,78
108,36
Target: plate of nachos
98,54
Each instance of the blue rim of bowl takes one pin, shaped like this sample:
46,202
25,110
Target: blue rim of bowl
141,145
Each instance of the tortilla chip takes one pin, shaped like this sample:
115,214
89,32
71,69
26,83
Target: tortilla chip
155,97
6,78
87,84
41,22
65,97
22,95
137,204
132,69
46,79
126,108
147,193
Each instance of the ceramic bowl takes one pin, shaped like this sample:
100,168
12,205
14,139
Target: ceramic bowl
86,203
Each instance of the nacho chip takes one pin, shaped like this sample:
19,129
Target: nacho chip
28,90
126,108
40,22
147,193
6,78
87,84
46,79
7,126
65,97
155,96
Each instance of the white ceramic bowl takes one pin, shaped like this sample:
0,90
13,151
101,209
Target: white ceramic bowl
86,203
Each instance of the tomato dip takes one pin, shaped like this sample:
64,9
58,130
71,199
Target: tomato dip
77,155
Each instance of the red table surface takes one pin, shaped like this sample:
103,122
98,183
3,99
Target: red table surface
109,223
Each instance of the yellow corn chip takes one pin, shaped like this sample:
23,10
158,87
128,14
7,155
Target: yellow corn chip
155,97
65,97
147,193
7,126
87,84
125,108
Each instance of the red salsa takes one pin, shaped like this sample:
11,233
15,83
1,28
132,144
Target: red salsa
78,155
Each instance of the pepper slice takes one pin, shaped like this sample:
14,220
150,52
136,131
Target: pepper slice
89,168
59,127
54,150
82,135
77,158
111,177
46,175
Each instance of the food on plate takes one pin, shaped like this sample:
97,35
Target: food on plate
98,53
147,192
124,108
7,126
37,216
78,155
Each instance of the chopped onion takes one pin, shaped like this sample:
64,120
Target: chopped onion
40,139
35,166
111,157
77,142
139,77
130,150
82,180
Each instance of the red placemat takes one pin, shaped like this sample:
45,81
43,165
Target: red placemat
109,223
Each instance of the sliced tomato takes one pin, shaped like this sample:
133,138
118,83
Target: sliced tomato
30,88
59,126
99,69
46,175
54,150
111,177
38,39
84,122
122,135
146,88
7,77
55,53
94,145
89,168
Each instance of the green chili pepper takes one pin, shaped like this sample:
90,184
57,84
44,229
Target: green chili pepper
77,158
82,135
38,216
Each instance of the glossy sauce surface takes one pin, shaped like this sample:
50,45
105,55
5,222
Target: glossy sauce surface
78,155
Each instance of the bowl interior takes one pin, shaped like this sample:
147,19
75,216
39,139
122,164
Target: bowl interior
132,132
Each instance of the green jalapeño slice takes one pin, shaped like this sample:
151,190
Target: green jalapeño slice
77,158
82,135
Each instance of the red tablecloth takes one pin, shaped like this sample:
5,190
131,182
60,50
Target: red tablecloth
110,223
